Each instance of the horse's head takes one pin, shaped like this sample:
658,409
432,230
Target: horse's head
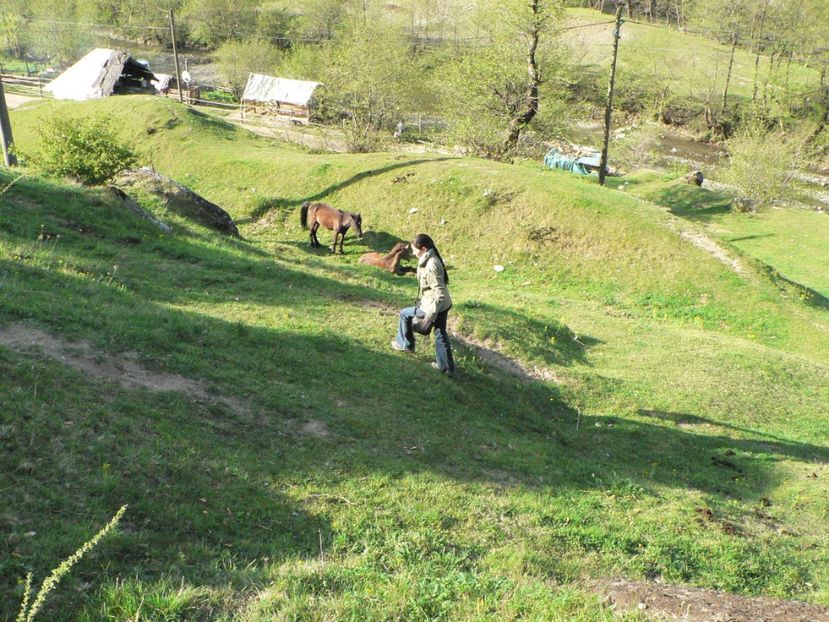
400,247
358,224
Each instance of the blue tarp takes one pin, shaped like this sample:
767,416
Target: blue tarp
582,166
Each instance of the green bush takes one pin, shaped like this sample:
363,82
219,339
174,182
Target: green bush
83,149
761,164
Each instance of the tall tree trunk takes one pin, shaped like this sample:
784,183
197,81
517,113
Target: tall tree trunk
757,39
824,121
608,110
728,74
523,118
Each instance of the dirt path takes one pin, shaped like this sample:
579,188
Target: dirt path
484,351
690,604
15,101
125,370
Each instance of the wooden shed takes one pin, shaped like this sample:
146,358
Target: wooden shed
279,97
102,73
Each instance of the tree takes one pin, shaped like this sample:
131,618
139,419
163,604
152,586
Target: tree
368,79
761,164
13,29
494,93
86,149
212,22
319,19
236,60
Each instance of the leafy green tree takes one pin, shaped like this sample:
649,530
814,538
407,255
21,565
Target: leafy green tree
761,163
319,19
13,29
495,92
236,60
213,22
368,80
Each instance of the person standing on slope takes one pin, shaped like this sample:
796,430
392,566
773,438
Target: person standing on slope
431,309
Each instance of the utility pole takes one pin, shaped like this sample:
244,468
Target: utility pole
609,105
175,55
6,141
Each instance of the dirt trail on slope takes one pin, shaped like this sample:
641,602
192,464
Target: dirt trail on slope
487,354
125,370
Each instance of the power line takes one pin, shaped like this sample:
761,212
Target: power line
248,33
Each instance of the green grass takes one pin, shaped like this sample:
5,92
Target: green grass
323,476
690,63
789,240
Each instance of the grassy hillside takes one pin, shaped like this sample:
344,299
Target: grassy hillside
791,241
282,463
689,63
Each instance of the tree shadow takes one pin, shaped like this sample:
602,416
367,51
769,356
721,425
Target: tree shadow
548,341
752,237
267,205
691,202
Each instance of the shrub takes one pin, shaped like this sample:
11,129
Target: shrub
761,166
81,148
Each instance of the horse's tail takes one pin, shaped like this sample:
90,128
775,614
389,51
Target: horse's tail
303,215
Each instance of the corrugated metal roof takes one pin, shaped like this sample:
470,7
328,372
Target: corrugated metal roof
263,88
92,77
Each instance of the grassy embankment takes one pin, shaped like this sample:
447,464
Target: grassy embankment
322,475
790,241
690,64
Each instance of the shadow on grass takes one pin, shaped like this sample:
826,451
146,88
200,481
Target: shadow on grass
548,341
692,202
752,237
281,203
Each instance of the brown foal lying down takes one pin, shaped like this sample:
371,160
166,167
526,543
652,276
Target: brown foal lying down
390,262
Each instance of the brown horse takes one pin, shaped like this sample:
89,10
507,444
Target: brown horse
330,218
390,262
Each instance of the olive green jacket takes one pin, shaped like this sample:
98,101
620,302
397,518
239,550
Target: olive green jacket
431,278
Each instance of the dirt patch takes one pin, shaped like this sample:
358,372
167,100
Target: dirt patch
700,240
308,427
15,101
126,371
501,362
485,352
689,604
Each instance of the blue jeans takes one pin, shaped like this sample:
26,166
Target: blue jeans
443,349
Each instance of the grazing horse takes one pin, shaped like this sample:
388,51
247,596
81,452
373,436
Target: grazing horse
330,218
390,262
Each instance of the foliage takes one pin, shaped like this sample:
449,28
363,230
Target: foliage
212,22
484,88
236,60
86,149
368,80
28,612
761,163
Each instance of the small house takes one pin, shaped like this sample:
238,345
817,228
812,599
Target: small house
101,73
281,97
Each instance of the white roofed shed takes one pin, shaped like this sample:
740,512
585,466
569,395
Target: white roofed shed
269,95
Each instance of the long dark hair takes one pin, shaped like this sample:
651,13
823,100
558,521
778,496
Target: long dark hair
422,240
